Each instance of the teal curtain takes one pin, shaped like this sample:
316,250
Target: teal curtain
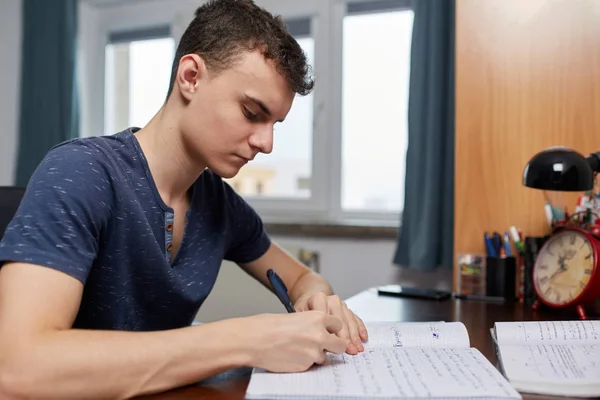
425,239
48,102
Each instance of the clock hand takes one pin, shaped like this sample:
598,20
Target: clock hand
562,267
561,263
556,273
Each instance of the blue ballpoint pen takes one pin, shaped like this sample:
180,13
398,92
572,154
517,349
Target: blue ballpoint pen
507,244
280,290
497,242
490,247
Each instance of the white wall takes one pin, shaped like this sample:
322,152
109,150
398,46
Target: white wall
351,266
10,66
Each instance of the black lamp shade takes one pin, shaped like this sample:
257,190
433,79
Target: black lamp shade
559,169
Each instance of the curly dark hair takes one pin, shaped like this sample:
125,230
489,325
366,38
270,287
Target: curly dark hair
223,29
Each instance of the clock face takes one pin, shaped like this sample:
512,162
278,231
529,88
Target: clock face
564,267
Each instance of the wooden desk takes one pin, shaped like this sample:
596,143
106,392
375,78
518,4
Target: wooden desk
477,316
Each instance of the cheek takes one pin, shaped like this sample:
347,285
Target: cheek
229,124
216,126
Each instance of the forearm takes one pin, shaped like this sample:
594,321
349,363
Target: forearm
308,284
111,364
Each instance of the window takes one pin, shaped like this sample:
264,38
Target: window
137,72
340,154
376,51
286,172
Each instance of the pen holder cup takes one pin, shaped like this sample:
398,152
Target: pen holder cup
470,274
501,277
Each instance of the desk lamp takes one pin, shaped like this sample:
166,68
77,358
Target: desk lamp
561,169
566,270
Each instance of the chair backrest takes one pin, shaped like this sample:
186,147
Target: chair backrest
10,198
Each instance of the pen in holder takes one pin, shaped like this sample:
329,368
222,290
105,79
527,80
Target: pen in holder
500,277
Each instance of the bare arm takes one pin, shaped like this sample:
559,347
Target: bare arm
309,291
39,351
300,280
41,357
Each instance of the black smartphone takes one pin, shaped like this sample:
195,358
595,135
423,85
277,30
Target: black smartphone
417,293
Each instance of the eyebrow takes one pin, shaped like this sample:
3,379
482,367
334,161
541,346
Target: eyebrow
262,106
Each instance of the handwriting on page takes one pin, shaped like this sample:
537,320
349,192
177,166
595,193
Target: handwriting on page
392,373
452,334
553,363
548,332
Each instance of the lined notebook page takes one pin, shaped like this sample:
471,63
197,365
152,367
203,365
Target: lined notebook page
434,334
548,332
391,373
559,363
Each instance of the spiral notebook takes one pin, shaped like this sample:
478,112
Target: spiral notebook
400,361
560,358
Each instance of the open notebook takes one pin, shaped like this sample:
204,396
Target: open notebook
400,361
550,357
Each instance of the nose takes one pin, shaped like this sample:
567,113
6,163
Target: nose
262,139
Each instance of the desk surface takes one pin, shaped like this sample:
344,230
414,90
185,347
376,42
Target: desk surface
478,317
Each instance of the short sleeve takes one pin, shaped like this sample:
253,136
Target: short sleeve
248,239
62,214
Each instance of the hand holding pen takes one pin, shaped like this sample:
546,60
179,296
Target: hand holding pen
353,329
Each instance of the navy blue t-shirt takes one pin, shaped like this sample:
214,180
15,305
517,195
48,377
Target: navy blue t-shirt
92,211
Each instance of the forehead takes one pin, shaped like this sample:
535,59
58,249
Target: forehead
258,77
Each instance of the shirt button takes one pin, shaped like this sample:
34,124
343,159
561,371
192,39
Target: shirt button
170,247
169,227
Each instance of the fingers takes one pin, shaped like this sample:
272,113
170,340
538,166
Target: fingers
338,308
353,329
334,344
333,324
318,302
346,325
321,358
362,329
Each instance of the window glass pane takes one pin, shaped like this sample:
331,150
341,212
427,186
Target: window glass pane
286,172
376,61
137,80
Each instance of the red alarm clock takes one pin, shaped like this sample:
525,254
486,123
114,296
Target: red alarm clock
566,273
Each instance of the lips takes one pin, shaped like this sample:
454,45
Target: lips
243,159
246,159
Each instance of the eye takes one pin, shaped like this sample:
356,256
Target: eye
249,114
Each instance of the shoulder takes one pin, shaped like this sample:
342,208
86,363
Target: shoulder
79,170
77,161
80,152
66,206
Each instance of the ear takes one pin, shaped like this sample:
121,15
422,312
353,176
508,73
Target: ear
191,70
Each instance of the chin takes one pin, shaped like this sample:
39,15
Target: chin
225,171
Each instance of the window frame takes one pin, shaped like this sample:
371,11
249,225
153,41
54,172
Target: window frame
99,19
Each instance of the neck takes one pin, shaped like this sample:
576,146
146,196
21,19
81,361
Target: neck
173,169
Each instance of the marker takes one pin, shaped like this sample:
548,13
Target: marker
515,237
280,290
